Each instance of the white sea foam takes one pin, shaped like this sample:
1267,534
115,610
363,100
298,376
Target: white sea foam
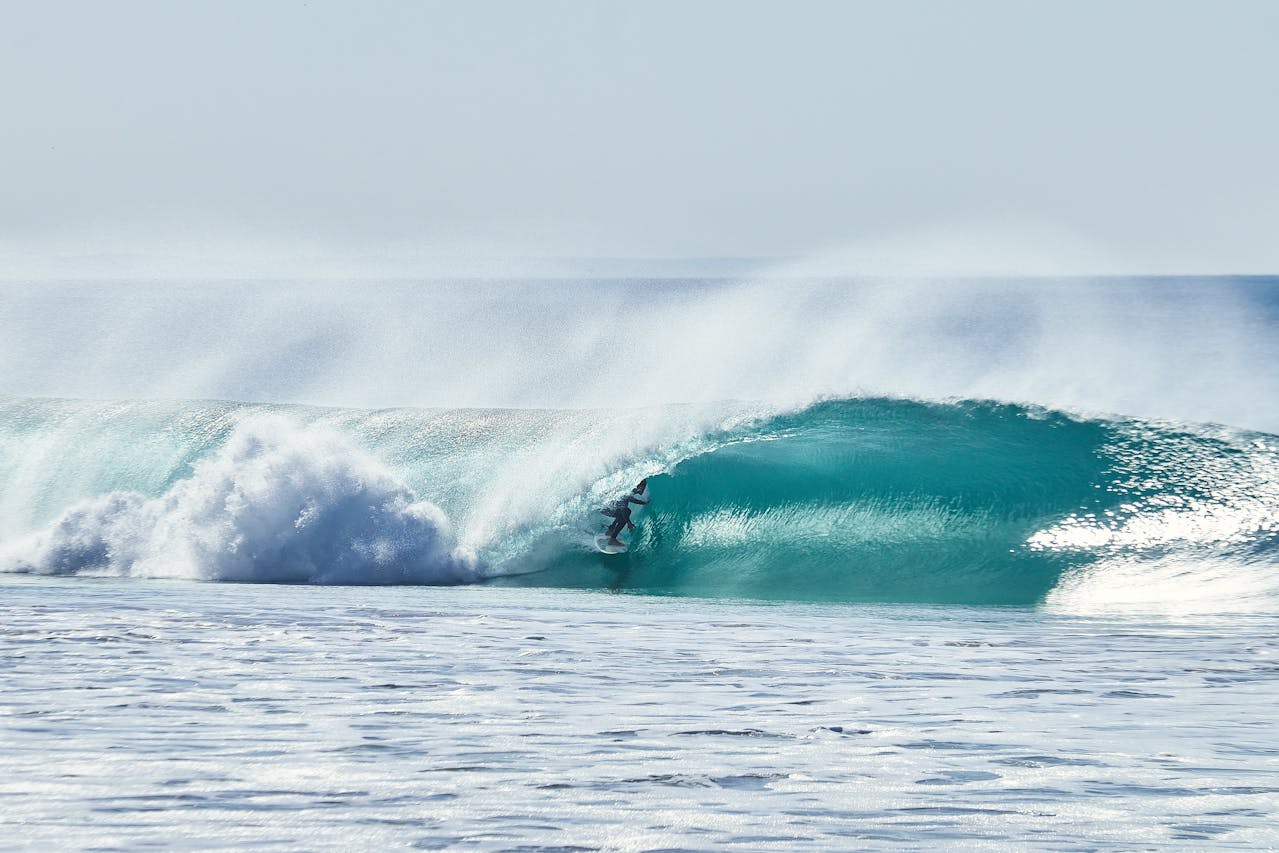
277,503
1176,585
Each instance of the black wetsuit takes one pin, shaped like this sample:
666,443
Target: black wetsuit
621,512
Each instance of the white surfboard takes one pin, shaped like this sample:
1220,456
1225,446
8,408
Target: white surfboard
601,541
601,545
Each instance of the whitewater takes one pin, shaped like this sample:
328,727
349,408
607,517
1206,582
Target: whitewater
304,564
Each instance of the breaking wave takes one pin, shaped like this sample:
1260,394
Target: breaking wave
874,499
273,503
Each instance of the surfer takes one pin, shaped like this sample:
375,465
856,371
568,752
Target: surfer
621,512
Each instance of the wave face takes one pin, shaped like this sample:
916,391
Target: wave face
844,500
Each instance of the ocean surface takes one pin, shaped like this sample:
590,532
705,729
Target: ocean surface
181,715
983,563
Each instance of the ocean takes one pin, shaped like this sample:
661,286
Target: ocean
298,565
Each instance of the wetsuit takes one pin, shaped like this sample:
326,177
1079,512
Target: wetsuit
621,512
620,520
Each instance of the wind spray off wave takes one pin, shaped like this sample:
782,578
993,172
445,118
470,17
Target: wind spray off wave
1185,349
844,500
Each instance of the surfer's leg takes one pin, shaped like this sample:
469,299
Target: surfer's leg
614,529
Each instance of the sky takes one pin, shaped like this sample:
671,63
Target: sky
412,138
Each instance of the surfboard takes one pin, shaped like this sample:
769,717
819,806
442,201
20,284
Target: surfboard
601,540
601,545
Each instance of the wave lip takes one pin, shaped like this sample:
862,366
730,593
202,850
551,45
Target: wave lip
275,503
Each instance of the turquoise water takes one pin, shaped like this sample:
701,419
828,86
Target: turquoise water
204,716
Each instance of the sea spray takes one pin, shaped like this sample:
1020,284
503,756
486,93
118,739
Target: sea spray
1189,349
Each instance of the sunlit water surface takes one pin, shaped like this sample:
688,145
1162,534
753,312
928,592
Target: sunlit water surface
193,716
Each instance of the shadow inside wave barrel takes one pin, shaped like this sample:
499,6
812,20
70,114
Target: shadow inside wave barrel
862,500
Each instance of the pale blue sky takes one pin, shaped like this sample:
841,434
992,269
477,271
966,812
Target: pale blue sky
382,136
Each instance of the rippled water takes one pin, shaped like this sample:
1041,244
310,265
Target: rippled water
139,713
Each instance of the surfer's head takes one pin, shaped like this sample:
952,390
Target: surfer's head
640,487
